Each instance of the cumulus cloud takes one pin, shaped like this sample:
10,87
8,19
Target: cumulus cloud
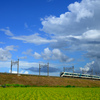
57,54
90,35
46,55
85,41
81,16
29,52
54,54
37,55
4,55
87,67
5,52
92,68
34,38
77,29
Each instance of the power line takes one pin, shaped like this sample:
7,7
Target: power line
15,63
68,69
42,66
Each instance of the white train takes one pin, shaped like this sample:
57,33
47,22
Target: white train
78,75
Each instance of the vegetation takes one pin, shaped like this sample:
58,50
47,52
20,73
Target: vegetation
21,85
49,93
29,80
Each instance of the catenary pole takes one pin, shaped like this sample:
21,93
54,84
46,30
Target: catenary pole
48,69
11,66
39,69
18,67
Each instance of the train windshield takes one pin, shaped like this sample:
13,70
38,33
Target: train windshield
61,73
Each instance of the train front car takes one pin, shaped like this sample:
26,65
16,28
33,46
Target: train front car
61,74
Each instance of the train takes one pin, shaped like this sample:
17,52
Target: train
78,75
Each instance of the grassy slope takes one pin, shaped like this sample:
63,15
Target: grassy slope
43,81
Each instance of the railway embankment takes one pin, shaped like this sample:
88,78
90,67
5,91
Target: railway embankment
46,80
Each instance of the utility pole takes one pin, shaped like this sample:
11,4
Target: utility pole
11,66
47,69
64,69
18,67
39,69
92,71
73,68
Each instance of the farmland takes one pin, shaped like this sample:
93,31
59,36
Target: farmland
49,93
47,88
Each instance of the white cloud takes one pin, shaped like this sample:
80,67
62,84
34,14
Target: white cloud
26,72
34,38
5,64
28,52
82,10
11,48
7,32
46,54
75,22
54,54
92,67
36,55
90,35
22,72
87,66
26,26
77,29
22,64
22,57
5,55
57,54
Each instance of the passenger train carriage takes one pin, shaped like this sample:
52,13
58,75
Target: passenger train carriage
78,75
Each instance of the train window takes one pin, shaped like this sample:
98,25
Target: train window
61,74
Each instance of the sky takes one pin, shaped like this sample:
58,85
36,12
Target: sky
63,33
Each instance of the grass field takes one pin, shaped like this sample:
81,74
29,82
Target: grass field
44,81
49,93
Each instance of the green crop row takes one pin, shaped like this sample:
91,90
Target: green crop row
15,85
49,93
21,85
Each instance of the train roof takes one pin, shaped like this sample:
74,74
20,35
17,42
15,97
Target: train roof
79,73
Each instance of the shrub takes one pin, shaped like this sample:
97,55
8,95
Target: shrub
68,86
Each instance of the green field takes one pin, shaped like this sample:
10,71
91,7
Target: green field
49,93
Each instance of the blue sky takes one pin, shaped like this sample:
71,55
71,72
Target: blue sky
61,32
